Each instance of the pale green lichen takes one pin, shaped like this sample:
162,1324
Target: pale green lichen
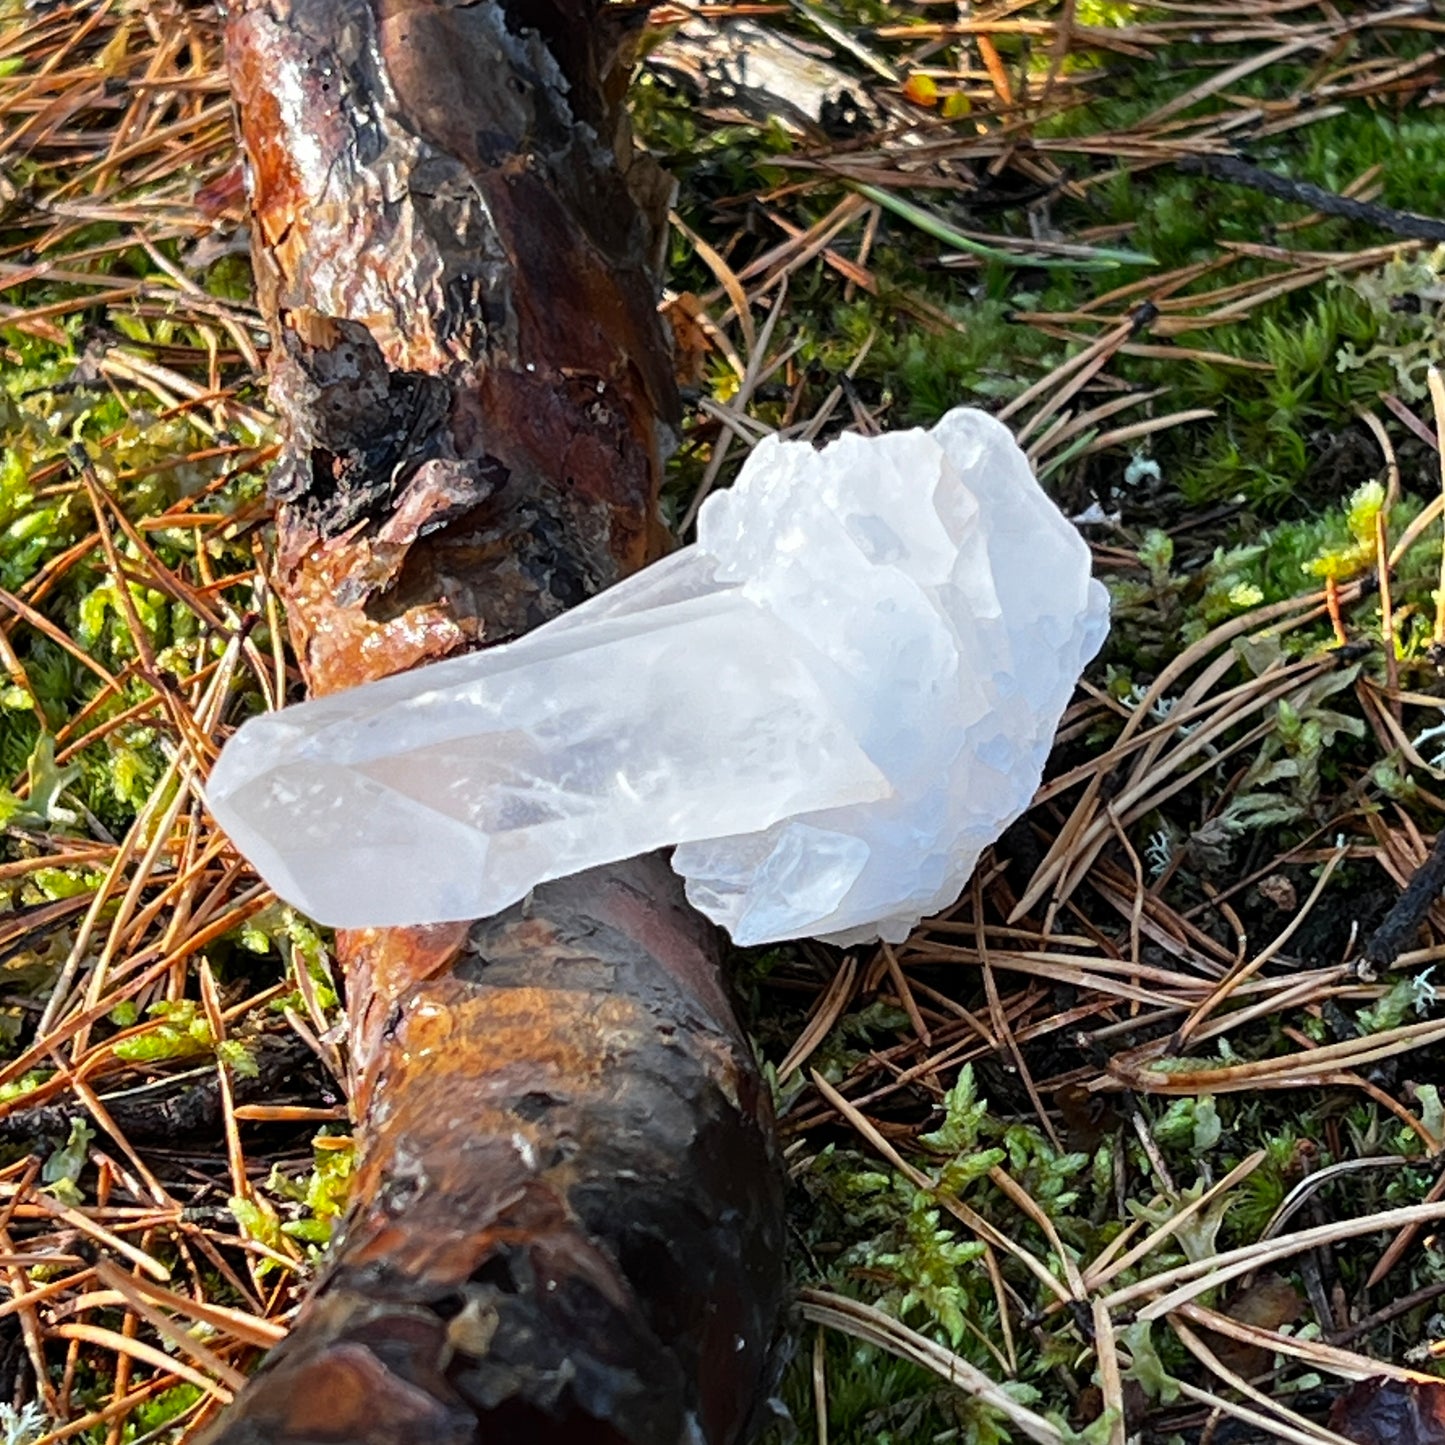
1407,298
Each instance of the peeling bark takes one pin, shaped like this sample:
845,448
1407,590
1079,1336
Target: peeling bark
567,1224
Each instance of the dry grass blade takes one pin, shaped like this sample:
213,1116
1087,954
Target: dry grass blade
1182,1285
831,1004
1280,1419
139,1350
1099,1274
863,1322
1328,1358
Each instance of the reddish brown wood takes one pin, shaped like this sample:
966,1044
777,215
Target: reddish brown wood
567,1224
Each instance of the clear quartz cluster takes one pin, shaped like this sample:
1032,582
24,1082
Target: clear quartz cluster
831,703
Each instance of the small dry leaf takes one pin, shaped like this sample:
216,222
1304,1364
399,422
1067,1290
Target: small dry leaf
1278,889
921,90
691,345
1269,1304
1382,1411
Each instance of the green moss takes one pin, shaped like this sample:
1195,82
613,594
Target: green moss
181,1030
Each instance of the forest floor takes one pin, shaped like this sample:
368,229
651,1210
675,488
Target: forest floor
1144,1139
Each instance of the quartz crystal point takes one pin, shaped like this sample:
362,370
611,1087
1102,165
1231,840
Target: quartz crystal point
832,703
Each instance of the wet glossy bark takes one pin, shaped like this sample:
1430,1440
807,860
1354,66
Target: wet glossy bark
567,1225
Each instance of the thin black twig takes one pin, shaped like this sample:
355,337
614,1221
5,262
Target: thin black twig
1330,203
1400,925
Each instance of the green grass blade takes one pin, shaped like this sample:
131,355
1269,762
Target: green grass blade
1104,259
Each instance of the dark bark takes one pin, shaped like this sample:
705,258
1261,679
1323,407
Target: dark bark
567,1224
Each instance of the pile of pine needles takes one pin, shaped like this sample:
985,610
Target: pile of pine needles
172,1096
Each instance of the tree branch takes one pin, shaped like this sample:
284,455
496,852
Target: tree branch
567,1223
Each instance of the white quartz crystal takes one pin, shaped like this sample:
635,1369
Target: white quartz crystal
832,703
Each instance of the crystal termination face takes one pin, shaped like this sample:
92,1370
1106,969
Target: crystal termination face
831,704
